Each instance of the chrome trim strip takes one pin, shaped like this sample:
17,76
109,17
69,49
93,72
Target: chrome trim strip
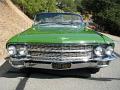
77,59
63,58
49,66
16,66
64,61
60,50
31,43
83,64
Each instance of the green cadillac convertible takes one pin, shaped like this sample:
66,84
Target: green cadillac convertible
60,41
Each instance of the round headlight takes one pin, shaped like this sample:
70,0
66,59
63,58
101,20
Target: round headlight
22,51
98,51
109,50
12,50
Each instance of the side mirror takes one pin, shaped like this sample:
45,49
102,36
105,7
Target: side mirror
84,24
34,23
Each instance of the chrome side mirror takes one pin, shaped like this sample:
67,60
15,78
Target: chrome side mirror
34,21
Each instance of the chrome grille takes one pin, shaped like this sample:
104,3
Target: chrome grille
62,54
60,51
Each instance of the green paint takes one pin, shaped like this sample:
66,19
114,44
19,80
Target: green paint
39,34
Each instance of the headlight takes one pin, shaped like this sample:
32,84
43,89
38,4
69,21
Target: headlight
109,50
12,50
23,51
98,51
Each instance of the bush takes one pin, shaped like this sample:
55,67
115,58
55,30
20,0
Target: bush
31,7
106,13
110,20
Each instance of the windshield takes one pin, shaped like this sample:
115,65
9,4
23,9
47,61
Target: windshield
58,20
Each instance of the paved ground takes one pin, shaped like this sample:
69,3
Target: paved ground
107,79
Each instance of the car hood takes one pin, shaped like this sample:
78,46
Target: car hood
59,35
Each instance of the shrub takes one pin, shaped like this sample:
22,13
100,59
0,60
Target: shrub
31,7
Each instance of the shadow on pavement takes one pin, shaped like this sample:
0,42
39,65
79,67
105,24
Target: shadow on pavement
44,74
5,71
118,55
103,79
4,67
22,83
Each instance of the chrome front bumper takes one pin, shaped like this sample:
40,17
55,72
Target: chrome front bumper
82,63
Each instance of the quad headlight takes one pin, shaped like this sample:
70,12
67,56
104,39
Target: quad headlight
23,51
109,50
98,51
12,50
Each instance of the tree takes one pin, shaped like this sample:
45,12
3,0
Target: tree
51,5
106,13
66,5
31,7
110,19
79,6
96,6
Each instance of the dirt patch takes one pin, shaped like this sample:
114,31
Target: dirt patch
12,21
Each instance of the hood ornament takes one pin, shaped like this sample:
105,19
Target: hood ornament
63,38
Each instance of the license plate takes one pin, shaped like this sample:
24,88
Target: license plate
61,65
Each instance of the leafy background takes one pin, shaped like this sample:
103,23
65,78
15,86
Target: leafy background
106,13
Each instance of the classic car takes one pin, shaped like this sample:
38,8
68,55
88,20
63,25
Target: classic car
60,41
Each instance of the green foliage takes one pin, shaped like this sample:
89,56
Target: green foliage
66,5
31,7
78,5
106,13
110,19
51,5
95,5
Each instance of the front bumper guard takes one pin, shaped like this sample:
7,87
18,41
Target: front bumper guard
98,62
